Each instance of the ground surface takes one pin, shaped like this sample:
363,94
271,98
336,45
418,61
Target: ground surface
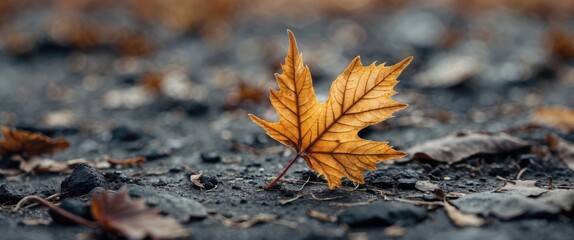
173,134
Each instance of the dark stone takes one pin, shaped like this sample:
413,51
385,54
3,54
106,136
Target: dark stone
210,157
312,176
209,182
155,155
116,177
235,187
195,109
406,183
74,206
382,182
383,214
82,180
10,194
125,134
502,171
182,208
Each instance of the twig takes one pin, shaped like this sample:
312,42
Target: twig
550,183
70,216
324,199
521,172
53,196
305,183
286,201
351,204
419,202
355,188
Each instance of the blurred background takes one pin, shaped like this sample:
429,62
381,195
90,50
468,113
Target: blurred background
475,61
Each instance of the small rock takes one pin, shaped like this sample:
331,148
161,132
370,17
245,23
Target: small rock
125,134
116,177
426,186
235,187
209,182
312,176
10,194
382,182
82,180
195,109
383,214
74,206
210,157
406,183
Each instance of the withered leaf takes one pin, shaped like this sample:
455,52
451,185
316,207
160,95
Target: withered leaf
564,149
325,134
29,144
131,218
526,188
554,117
454,148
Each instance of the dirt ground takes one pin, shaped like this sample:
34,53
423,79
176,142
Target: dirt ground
484,70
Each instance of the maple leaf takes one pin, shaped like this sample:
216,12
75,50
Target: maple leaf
325,134
29,144
132,218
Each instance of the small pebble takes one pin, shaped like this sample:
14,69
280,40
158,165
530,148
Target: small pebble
210,157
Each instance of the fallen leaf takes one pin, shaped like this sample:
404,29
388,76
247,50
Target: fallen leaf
325,134
526,188
462,219
564,149
454,148
29,144
448,72
129,161
555,117
131,218
244,93
196,180
426,186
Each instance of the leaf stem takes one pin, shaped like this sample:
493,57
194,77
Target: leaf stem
70,216
282,172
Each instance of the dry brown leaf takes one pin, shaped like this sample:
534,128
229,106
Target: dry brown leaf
131,218
564,149
124,162
29,144
555,117
325,134
454,148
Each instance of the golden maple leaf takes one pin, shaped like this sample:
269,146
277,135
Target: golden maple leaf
325,134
